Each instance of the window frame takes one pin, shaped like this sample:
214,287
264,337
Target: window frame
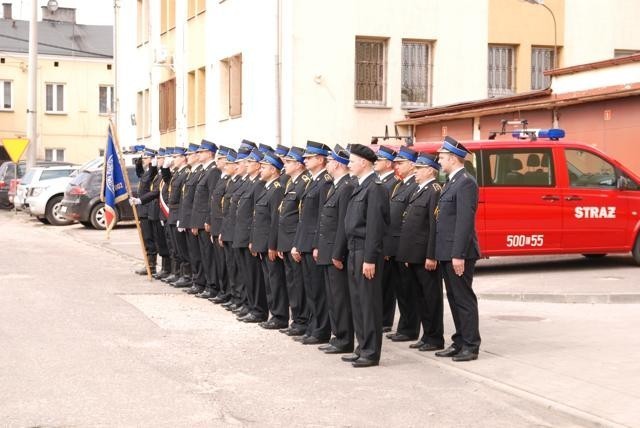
54,101
489,167
492,69
568,163
3,94
110,102
53,151
384,83
231,105
428,70
537,72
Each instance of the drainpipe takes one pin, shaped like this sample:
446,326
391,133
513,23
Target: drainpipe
278,61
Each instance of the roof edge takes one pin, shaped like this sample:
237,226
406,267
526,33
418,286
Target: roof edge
593,65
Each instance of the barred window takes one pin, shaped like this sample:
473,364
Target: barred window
501,70
416,67
541,60
370,84
167,119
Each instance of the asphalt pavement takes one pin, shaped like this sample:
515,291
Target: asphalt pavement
88,343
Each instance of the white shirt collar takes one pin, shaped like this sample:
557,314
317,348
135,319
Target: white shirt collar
361,180
385,175
206,165
318,174
453,173
268,184
423,185
406,179
336,180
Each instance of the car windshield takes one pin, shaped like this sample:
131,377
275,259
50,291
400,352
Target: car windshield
26,179
49,174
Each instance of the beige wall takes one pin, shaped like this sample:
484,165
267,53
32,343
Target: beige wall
81,131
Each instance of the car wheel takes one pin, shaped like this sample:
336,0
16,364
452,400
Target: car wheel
43,220
53,214
636,250
98,217
595,256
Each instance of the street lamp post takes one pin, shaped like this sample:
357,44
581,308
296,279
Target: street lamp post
555,29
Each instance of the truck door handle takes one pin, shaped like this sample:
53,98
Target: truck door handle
550,198
573,198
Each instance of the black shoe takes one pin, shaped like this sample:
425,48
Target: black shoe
142,271
312,340
325,346
301,338
428,347
465,355
364,362
273,324
417,345
195,289
386,329
401,338
227,304
296,332
389,335
183,282
252,318
206,294
242,311
449,352
334,350
218,299
170,278
350,358
285,330
231,307
161,275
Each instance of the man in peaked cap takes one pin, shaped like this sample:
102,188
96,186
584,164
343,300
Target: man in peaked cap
146,170
366,219
416,250
282,151
408,323
331,245
457,249
288,219
315,159
384,167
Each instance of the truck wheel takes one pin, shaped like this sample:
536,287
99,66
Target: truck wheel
53,214
636,250
98,217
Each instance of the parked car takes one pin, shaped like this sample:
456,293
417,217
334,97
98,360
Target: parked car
550,196
8,175
81,201
43,188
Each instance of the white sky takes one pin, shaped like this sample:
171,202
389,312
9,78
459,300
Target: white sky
96,12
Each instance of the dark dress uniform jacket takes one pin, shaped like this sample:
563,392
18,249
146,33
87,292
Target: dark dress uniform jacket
188,194
144,186
175,192
217,205
367,217
201,201
455,231
332,242
418,237
399,199
150,199
244,213
312,199
264,233
229,208
290,211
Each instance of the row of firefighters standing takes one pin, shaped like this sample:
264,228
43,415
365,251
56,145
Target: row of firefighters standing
324,241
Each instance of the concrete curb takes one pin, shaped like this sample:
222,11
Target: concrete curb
562,297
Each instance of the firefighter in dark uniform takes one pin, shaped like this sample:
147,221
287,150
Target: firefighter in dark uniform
417,250
366,220
282,151
176,180
256,299
384,167
163,202
289,217
319,327
332,245
214,224
150,201
198,281
264,241
146,169
200,213
457,249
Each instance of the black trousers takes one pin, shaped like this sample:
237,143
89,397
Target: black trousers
159,238
170,242
366,305
407,294
428,285
314,289
339,304
254,283
197,272
463,304
222,280
295,292
389,292
147,237
206,256
276,287
182,251
235,284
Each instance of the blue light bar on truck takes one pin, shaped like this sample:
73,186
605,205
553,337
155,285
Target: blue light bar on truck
551,134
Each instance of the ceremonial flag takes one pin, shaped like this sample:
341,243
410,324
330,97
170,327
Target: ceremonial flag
114,188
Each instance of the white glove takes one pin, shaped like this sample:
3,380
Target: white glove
162,223
178,223
134,201
181,229
167,162
154,162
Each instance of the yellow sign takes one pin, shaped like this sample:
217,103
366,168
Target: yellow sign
15,147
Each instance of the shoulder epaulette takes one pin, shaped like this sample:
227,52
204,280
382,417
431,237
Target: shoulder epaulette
327,177
436,186
305,178
276,184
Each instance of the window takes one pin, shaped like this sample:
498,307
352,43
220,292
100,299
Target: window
231,87
624,52
7,94
542,59
143,22
50,174
106,99
54,155
501,71
416,68
191,98
202,94
588,170
167,120
55,97
167,15
142,118
519,168
370,84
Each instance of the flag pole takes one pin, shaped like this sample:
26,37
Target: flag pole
128,185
